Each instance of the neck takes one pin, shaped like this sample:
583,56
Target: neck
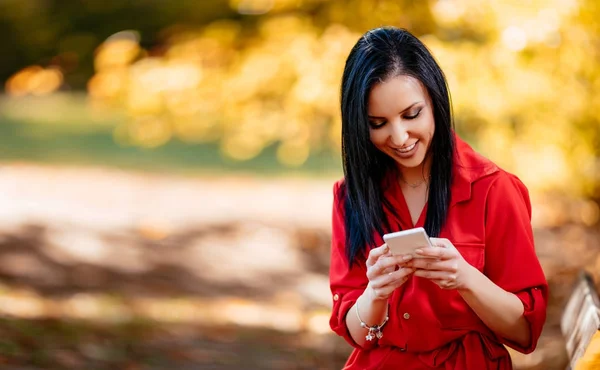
416,176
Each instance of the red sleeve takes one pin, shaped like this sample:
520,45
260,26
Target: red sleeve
510,259
347,284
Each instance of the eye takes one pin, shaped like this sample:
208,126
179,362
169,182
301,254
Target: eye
376,125
414,115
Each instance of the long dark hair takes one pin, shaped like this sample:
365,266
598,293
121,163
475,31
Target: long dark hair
380,54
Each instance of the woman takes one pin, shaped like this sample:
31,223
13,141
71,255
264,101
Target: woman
404,167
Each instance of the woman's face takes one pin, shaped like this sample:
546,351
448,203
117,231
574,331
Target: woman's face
401,120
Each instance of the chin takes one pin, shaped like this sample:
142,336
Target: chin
415,161
408,163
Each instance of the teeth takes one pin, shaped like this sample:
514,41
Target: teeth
407,149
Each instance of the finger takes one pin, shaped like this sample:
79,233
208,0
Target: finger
388,270
404,279
400,274
390,262
386,264
398,283
425,263
383,265
450,265
389,282
445,284
384,292
399,261
441,243
435,275
375,253
435,252
380,267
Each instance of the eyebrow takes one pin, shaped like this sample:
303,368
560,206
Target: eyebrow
407,108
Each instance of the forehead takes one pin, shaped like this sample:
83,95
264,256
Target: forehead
395,95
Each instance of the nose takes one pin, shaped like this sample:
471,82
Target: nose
399,134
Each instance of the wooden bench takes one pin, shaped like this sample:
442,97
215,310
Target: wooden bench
580,325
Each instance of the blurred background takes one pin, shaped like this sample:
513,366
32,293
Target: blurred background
167,167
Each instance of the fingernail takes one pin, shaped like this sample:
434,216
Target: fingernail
407,257
419,251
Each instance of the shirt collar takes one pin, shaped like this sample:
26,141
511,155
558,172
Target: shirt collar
469,166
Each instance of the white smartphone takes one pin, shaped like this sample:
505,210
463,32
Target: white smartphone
407,241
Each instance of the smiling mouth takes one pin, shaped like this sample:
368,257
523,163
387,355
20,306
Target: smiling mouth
407,149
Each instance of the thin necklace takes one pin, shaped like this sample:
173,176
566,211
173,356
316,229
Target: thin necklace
415,184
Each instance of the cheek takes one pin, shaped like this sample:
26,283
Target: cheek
377,138
373,136
429,127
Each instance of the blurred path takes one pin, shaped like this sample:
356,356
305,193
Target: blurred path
236,252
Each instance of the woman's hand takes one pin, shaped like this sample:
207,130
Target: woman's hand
445,266
386,272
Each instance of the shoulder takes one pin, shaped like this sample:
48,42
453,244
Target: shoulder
339,195
505,197
506,186
339,184
474,166
339,188
479,176
470,164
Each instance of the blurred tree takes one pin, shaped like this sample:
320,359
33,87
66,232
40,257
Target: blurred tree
252,74
66,33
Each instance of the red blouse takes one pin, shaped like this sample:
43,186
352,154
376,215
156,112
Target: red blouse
489,222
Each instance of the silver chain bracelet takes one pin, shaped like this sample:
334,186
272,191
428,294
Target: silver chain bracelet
375,330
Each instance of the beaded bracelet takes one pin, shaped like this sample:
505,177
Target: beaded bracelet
375,330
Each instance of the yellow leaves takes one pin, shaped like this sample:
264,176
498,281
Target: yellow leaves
269,92
109,84
195,129
147,131
241,147
225,32
256,72
245,138
286,27
259,7
543,167
520,73
254,7
495,141
448,13
293,153
157,76
295,146
119,50
34,80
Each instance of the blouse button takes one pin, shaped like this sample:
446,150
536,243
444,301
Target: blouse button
402,349
406,315
336,297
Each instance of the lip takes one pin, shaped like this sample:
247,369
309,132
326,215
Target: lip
407,154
